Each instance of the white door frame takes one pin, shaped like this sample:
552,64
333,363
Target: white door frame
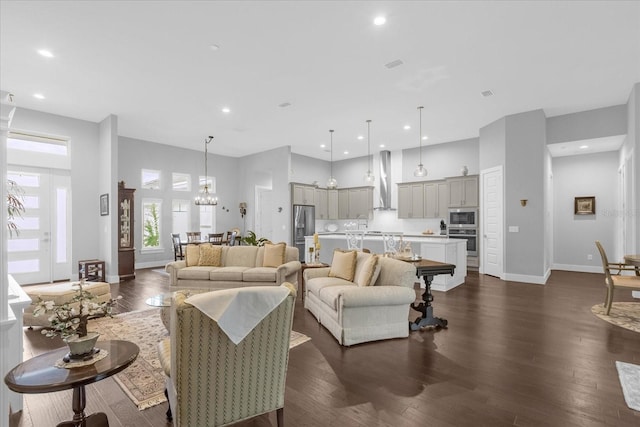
483,225
258,225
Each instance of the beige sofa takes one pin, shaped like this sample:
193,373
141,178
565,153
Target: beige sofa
356,314
239,266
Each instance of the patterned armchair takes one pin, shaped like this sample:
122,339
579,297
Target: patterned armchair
214,382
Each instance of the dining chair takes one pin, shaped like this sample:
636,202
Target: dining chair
177,247
233,239
355,239
216,238
392,243
616,280
193,236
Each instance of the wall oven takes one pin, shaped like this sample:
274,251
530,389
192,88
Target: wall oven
470,235
463,218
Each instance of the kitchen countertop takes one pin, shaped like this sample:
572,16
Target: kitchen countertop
374,234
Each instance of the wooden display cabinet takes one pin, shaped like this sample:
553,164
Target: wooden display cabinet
126,250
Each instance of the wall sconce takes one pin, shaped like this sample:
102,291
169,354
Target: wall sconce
523,202
243,209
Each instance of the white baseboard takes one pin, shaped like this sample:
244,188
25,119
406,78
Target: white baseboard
578,268
526,278
152,264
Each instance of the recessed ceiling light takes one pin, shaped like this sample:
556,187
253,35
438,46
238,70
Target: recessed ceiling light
346,152
214,47
407,127
582,147
226,110
424,138
322,145
38,96
360,137
380,20
381,145
46,53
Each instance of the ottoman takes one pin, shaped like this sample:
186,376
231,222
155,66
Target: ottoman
59,293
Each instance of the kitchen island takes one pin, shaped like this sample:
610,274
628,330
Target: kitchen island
433,247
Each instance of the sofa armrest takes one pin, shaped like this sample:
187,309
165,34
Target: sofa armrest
367,296
172,268
288,272
312,273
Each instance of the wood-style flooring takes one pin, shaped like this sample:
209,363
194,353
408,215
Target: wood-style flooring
513,354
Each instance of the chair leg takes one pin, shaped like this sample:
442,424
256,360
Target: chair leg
280,416
609,300
169,415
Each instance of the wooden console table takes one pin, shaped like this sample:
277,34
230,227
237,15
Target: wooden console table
427,269
40,375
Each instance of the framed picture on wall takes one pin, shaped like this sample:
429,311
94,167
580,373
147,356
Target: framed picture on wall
584,205
104,204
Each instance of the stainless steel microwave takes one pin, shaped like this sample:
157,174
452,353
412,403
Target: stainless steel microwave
463,218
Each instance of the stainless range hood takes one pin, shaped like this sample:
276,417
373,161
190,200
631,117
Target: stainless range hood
385,182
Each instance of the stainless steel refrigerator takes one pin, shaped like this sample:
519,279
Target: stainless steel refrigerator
304,224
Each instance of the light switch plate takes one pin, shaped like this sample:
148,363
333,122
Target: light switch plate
514,229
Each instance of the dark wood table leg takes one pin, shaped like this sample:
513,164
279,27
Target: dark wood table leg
98,419
427,318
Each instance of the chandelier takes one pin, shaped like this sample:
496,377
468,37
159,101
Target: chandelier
369,178
204,198
420,170
332,183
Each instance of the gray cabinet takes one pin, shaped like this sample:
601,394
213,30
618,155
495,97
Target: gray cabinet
343,203
321,202
436,199
303,194
354,203
463,191
411,200
332,204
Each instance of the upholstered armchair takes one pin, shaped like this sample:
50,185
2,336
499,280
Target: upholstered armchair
214,382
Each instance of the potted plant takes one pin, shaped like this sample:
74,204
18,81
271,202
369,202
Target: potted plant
70,320
251,239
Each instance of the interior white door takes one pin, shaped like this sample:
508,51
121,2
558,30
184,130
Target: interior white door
264,213
492,222
41,251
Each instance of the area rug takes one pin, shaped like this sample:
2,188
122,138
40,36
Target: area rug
629,375
624,314
143,381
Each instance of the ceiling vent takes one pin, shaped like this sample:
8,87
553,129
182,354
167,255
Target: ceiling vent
486,93
394,64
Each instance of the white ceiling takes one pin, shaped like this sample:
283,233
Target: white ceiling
150,63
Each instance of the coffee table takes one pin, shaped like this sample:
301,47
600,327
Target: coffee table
164,301
40,375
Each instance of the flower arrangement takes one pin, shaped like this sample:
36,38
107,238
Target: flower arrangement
72,318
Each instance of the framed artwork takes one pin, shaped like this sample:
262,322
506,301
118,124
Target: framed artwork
104,204
584,206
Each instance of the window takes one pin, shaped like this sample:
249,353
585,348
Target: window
181,215
37,144
151,224
181,182
150,179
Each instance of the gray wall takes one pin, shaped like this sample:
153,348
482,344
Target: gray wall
85,193
524,179
108,172
598,123
442,160
574,235
306,170
492,145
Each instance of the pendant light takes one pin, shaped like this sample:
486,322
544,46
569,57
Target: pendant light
331,183
369,178
420,170
204,198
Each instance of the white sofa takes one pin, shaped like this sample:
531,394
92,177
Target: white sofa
239,266
356,314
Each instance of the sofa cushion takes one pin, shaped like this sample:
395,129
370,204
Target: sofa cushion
61,293
343,264
330,295
195,273
240,256
259,274
274,254
192,255
210,255
229,274
317,284
366,265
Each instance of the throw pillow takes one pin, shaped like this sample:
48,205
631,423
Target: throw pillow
366,273
210,255
343,265
274,254
192,255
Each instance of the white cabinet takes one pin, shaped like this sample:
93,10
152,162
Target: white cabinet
436,199
411,200
322,207
303,194
463,191
332,204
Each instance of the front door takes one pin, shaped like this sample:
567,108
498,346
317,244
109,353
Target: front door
41,250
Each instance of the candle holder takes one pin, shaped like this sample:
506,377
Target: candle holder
311,257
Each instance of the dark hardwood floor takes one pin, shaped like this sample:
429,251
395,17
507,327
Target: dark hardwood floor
514,354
